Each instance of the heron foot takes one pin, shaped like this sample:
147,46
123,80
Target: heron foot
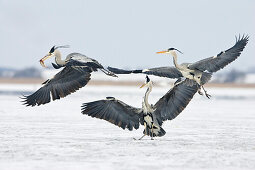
208,95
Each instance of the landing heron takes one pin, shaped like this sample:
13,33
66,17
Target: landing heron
151,116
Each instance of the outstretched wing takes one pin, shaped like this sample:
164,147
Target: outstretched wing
175,100
169,72
115,112
65,82
213,64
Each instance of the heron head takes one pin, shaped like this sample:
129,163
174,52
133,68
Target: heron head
169,51
147,82
51,53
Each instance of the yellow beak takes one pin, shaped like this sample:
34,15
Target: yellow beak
45,58
142,85
161,52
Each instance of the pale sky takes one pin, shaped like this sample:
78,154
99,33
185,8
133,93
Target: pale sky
124,33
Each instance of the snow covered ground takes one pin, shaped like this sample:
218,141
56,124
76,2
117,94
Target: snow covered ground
209,134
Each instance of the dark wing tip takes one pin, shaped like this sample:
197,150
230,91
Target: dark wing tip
41,96
83,108
244,38
25,100
118,71
241,42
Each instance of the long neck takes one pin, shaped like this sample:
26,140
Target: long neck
146,103
58,59
175,59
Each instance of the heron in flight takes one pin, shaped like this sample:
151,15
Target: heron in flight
75,75
200,71
151,116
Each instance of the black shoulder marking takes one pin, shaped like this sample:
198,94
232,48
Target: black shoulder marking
56,66
220,53
46,81
109,98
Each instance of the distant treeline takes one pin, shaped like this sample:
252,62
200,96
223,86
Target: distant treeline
23,73
232,76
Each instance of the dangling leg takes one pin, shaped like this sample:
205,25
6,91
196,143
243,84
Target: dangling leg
139,138
206,94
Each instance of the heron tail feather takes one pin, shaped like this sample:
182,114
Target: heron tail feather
157,131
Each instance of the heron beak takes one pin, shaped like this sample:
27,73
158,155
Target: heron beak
161,52
45,58
42,63
142,86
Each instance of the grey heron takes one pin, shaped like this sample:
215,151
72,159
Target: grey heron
200,71
75,75
152,117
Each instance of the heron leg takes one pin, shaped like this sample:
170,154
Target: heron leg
141,137
144,130
206,94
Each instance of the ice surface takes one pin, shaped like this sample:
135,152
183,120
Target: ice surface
209,134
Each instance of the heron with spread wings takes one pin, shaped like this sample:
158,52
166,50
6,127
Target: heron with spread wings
151,116
76,72
200,71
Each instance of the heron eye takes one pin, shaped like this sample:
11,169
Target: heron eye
198,77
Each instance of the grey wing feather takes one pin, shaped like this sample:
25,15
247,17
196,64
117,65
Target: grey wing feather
213,64
80,60
65,82
115,112
175,100
169,72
